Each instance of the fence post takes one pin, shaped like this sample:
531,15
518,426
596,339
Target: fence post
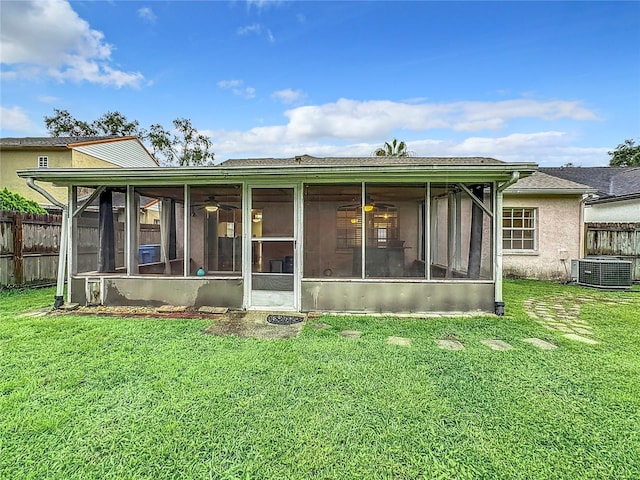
18,275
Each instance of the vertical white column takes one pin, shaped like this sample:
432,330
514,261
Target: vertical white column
187,232
131,228
427,234
497,235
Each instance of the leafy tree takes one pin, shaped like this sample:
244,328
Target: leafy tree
183,145
62,124
114,123
626,154
14,202
393,149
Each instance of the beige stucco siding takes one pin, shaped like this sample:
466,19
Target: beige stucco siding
558,229
13,160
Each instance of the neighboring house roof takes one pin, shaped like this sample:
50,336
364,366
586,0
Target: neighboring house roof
50,141
126,152
307,160
540,183
608,181
621,198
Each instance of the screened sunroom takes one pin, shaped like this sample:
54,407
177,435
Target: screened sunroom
302,234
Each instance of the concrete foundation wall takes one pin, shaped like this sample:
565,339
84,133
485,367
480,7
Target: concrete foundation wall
400,297
163,291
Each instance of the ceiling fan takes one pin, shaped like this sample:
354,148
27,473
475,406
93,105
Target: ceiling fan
369,206
212,205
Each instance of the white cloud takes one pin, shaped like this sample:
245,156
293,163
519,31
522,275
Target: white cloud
145,13
236,86
256,29
543,148
261,4
350,119
47,37
270,37
349,127
15,119
288,96
250,29
229,83
48,99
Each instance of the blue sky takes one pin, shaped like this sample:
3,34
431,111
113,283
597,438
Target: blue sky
549,82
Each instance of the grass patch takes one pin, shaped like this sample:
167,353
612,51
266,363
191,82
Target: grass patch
101,398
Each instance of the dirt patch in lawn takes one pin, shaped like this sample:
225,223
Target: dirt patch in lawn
140,312
253,325
246,324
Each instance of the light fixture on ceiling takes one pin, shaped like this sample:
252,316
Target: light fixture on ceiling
211,208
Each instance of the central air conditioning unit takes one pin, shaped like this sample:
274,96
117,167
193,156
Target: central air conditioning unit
603,272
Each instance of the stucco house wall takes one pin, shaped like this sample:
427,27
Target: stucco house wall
558,236
66,152
13,160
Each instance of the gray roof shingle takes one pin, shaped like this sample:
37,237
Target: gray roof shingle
49,141
608,181
540,181
307,160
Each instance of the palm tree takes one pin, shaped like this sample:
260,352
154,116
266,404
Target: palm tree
393,149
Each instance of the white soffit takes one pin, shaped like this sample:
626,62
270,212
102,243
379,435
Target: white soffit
126,153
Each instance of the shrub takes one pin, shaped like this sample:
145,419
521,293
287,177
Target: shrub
14,202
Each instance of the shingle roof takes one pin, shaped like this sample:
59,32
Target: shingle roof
608,181
49,141
307,160
541,182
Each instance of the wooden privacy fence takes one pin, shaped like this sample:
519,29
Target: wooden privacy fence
621,240
29,246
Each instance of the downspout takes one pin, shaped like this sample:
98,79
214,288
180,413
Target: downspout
499,302
62,255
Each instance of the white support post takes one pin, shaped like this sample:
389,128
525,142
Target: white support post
497,270
497,229
187,233
131,227
72,229
427,234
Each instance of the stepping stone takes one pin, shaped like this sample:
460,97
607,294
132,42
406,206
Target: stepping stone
538,342
401,341
351,333
171,308
36,313
584,331
448,344
496,344
564,328
69,306
217,310
320,326
579,338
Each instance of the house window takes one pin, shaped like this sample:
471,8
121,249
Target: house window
519,229
348,228
43,162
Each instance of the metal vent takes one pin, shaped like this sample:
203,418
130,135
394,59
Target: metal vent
604,272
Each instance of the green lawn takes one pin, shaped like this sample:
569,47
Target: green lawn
102,398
